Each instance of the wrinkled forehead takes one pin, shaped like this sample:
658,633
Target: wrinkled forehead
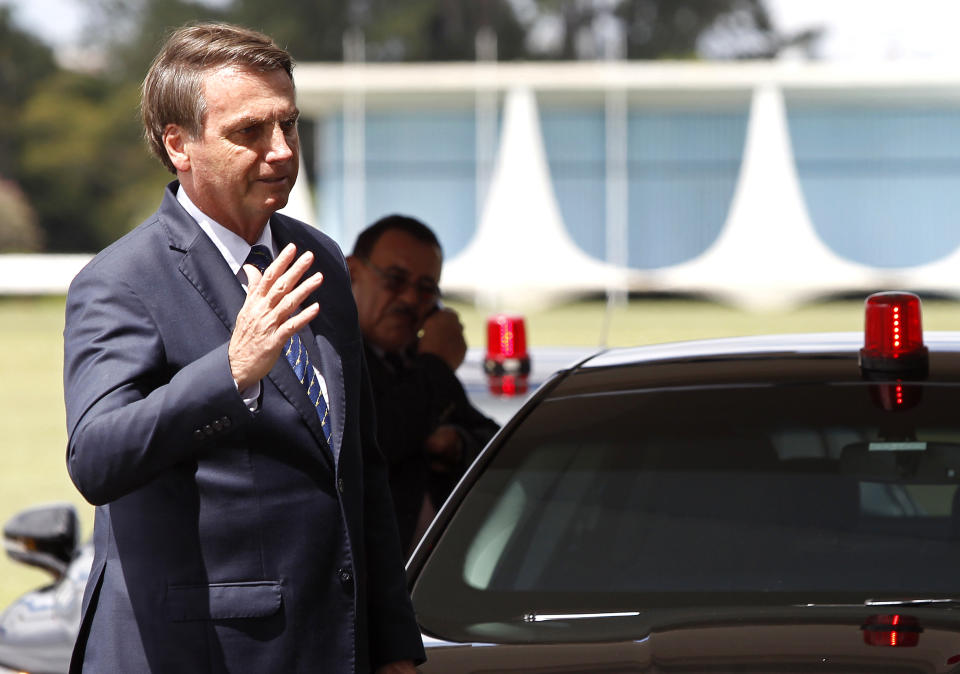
232,89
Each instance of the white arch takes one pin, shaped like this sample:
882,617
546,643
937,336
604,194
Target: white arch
521,255
768,255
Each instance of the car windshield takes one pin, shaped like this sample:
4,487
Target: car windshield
637,501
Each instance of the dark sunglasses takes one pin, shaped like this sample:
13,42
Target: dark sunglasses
397,281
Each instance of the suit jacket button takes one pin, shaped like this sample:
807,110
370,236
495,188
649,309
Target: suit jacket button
225,421
340,484
218,425
198,434
208,430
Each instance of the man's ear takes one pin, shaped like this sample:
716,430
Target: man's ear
175,141
353,262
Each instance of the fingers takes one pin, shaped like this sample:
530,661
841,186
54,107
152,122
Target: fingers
283,292
281,275
288,280
279,285
300,293
269,315
253,277
446,321
273,271
294,299
293,324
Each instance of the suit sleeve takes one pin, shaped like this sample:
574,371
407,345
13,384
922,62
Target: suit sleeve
403,409
453,407
129,415
394,634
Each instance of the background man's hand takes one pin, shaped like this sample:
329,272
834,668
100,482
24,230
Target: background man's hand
401,667
443,337
444,448
267,320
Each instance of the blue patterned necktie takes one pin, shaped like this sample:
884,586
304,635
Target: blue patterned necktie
260,257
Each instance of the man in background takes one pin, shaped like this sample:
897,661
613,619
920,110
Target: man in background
224,433
426,427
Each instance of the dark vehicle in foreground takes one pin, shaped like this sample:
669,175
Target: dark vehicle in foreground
768,504
772,504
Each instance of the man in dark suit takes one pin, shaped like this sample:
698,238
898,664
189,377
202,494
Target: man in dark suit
426,426
243,521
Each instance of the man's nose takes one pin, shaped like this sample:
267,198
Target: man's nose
410,295
281,145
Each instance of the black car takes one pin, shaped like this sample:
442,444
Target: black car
769,504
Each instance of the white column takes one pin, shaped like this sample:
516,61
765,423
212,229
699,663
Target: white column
617,216
521,255
354,146
485,123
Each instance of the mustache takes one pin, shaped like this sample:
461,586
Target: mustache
405,310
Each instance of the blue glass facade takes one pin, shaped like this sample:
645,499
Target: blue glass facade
417,162
682,173
879,181
682,167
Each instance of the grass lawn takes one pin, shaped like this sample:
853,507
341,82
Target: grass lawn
32,422
31,398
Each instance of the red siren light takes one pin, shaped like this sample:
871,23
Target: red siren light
896,630
893,333
507,363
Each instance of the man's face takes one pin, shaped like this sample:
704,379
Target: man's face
245,162
390,312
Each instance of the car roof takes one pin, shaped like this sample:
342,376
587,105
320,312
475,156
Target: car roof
814,358
732,348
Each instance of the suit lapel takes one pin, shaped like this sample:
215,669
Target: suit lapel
204,267
329,363
201,263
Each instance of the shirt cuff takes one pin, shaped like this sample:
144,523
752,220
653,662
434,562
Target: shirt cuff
250,395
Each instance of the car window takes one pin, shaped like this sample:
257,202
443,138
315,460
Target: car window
748,495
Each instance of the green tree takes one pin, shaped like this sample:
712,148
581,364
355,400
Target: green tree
130,32
73,141
421,30
84,163
24,63
314,30
19,230
653,29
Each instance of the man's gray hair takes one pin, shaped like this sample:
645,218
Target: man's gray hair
172,91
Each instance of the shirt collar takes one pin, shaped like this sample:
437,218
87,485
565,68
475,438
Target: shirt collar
231,245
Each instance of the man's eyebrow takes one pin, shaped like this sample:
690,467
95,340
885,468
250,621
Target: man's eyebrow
245,121
406,272
250,120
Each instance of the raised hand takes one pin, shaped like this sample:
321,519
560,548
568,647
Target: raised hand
267,319
443,337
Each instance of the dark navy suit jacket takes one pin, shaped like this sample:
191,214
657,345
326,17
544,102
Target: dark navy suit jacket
225,540
412,400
